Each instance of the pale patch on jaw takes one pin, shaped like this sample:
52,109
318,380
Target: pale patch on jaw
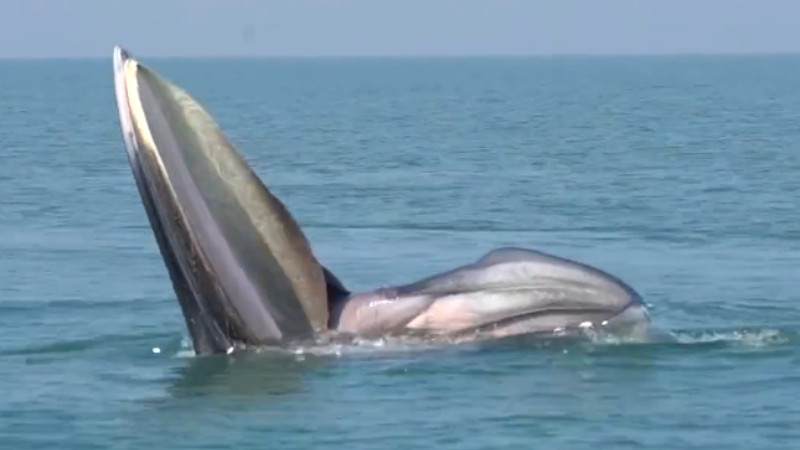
449,314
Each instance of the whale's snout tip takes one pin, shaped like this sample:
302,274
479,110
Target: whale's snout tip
120,52
121,55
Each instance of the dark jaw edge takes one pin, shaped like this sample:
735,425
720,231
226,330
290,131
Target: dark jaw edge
208,336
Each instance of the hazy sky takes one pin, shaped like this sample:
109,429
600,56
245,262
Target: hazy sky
36,28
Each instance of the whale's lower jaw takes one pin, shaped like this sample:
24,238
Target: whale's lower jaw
240,266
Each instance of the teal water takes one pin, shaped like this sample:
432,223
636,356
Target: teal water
677,174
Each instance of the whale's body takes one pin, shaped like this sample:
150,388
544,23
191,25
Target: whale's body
507,291
245,274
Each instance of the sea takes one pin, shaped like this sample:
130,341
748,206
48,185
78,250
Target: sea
678,174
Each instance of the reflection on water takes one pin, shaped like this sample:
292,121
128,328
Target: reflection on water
255,376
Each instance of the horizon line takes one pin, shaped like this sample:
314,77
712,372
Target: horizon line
275,56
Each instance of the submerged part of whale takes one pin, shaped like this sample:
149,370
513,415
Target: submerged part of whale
245,274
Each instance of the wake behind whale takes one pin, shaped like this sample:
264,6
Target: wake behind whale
652,343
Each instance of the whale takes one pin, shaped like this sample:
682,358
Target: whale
245,275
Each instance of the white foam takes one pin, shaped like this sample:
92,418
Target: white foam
185,354
746,338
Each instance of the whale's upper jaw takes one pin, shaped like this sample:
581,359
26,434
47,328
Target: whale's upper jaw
242,270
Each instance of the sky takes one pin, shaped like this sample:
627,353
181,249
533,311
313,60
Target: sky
192,28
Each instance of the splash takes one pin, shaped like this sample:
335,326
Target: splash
584,335
342,347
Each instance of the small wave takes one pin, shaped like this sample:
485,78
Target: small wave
672,235
75,304
84,345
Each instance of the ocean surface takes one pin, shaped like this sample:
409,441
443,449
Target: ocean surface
677,174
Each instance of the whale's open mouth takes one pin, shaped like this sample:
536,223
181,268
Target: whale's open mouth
245,274
242,270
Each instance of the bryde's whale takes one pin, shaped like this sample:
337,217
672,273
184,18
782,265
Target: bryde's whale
245,275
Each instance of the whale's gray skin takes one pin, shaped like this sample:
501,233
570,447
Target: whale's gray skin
246,276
